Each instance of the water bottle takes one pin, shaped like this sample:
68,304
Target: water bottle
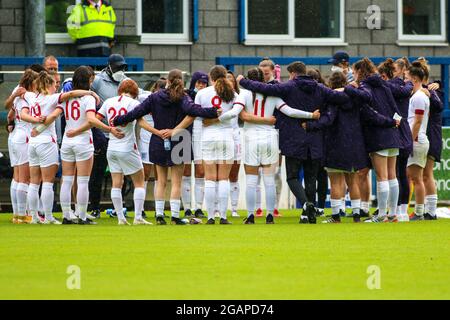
167,144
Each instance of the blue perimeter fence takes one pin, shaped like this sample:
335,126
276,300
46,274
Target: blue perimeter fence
444,62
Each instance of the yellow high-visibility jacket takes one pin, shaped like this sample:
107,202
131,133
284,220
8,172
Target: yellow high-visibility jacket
86,22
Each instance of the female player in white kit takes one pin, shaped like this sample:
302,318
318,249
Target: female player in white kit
18,146
123,155
261,143
217,141
42,149
77,150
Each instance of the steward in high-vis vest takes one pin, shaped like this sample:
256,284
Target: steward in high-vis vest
91,24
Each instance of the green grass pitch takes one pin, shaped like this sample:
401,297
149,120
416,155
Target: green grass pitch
281,261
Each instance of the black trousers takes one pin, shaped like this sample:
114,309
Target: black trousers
322,187
97,178
310,169
402,178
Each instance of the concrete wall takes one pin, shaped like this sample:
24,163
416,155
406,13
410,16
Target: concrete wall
218,36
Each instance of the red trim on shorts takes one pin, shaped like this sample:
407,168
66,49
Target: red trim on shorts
420,112
53,140
90,140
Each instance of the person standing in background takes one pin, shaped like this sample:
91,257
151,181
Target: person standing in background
91,25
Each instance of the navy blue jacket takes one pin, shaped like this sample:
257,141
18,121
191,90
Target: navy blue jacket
401,91
434,130
344,141
375,92
305,94
166,115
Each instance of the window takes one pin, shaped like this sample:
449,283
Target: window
420,20
163,21
56,21
294,22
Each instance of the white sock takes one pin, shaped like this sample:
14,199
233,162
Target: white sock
250,193
199,192
419,209
271,193
47,198
278,186
82,196
21,194
336,205
394,192
159,208
404,209
365,206
224,192
356,206
40,205
258,192
186,192
382,196
175,208
431,204
13,194
210,197
234,195
216,203
116,198
139,198
65,195
343,205
33,199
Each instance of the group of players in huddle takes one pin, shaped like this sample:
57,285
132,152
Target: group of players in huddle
386,118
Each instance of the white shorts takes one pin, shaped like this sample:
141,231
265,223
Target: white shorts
388,153
261,148
43,154
18,153
127,163
419,155
197,145
76,152
219,147
144,149
237,144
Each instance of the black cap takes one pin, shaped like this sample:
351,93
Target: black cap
117,60
339,57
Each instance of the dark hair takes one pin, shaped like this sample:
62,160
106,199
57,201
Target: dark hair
256,74
129,86
387,68
159,84
28,78
235,84
297,67
316,75
43,82
403,63
37,68
365,67
337,80
425,66
223,86
267,62
176,86
419,70
82,77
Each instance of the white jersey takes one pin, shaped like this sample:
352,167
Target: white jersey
144,135
208,98
22,129
419,104
119,106
263,108
44,105
75,112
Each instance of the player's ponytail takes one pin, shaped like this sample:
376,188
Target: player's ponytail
176,85
255,74
417,70
223,86
27,80
365,68
387,68
43,82
426,68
